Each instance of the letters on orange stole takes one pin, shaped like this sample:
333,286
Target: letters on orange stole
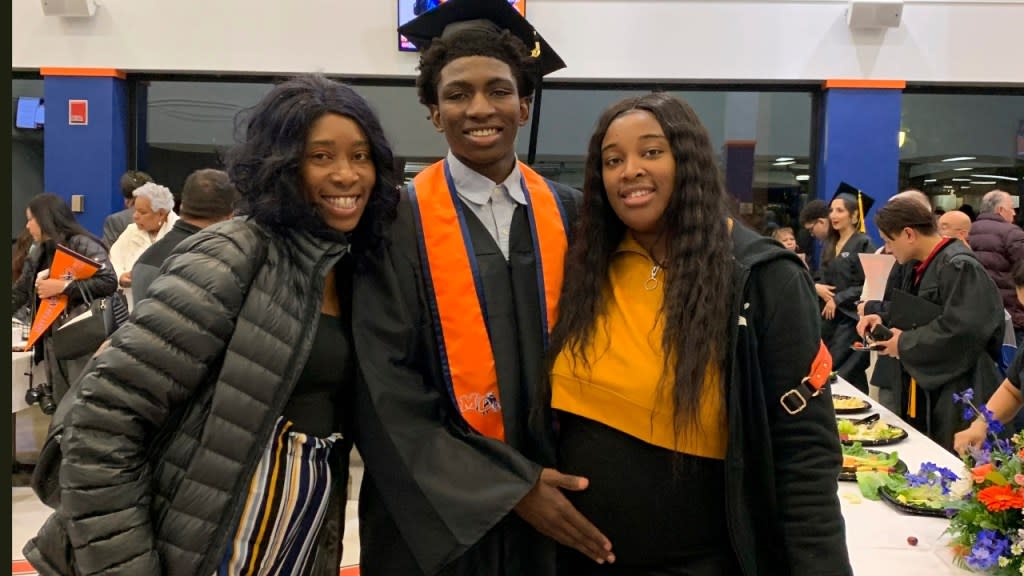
67,265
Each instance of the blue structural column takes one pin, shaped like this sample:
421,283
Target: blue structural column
859,140
86,155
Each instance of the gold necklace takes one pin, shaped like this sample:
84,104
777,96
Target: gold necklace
652,282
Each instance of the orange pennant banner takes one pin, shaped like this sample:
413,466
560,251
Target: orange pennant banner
67,265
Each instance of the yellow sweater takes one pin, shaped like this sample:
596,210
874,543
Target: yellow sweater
625,385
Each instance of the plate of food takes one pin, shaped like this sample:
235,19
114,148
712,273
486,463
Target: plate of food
856,459
849,404
875,433
919,501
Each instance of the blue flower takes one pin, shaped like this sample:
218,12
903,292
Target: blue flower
994,425
989,545
964,398
968,413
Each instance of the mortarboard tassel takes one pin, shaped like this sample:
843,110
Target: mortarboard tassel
535,53
860,211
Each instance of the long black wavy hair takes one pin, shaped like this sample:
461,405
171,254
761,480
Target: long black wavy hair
698,288
265,165
56,221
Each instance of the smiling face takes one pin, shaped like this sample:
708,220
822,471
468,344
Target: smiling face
337,171
840,216
480,111
638,171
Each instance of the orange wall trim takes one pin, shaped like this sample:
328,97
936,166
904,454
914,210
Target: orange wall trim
867,84
99,72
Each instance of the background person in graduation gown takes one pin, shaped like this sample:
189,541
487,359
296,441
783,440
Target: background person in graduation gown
439,495
955,350
680,331
886,374
841,282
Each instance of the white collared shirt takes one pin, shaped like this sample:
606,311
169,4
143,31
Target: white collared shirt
492,203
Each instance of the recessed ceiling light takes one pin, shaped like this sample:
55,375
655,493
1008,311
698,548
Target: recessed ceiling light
961,179
984,182
803,178
994,177
962,169
930,180
964,187
785,163
960,158
784,159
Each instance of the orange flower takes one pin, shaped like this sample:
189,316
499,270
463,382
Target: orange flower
999,498
980,472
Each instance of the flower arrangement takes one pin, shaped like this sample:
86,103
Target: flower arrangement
987,526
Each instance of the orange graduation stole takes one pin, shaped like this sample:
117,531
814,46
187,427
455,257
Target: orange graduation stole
453,277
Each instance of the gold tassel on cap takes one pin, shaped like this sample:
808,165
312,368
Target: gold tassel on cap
860,211
535,53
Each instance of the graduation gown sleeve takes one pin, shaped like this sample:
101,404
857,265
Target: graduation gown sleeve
948,348
443,485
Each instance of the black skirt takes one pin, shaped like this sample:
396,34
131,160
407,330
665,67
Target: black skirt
663,511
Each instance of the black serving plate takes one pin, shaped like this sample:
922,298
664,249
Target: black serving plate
850,474
890,497
863,408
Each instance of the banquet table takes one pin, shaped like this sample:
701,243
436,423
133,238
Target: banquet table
876,533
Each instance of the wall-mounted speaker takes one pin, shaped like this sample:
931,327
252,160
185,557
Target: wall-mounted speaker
69,8
874,13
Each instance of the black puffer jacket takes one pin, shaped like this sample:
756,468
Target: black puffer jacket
204,349
103,282
998,245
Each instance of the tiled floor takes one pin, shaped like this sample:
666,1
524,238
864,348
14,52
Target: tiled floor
28,513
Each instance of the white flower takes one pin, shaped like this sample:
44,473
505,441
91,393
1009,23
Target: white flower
962,487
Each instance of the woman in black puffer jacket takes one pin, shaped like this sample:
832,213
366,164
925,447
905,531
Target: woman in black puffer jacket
185,432
50,222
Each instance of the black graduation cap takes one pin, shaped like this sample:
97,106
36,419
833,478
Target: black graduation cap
858,197
490,16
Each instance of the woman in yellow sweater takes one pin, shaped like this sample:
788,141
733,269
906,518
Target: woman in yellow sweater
679,333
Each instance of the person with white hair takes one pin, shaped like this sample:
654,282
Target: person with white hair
154,216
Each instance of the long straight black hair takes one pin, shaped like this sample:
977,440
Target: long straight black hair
55,219
698,289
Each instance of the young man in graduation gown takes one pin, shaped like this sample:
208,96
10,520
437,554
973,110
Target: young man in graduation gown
947,321
459,476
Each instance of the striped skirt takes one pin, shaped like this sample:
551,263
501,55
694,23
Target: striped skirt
285,506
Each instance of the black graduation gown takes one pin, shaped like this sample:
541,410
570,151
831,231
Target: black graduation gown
436,496
887,372
846,274
955,351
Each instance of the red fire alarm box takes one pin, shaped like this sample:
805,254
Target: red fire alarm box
78,112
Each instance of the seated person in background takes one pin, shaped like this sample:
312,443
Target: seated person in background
208,197
955,224
154,217
1005,403
787,238
953,351
115,224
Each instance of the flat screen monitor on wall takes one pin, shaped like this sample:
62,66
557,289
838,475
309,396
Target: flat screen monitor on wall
31,113
409,9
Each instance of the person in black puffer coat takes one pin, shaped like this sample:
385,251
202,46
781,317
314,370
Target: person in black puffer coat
998,244
51,222
183,432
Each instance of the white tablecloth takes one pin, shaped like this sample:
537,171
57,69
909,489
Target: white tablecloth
876,533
